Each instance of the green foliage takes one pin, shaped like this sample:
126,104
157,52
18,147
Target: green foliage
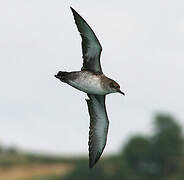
167,146
137,152
83,172
159,156
137,155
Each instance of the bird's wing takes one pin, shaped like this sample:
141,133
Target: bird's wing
99,124
91,48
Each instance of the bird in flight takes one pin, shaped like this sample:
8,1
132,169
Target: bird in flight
92,81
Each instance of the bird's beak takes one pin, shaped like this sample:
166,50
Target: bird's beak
121,92
56,76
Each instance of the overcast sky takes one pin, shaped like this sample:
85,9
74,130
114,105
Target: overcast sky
143,50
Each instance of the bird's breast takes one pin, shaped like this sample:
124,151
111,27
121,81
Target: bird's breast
87,82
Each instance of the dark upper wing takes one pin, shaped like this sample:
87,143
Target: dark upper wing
99,124
91,47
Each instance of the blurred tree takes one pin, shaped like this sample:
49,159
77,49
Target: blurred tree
1,149
167,146
137,155
157,157
11,150
122,171
82,172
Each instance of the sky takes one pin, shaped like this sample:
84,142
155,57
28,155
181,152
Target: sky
143,50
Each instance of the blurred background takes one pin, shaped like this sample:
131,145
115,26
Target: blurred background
44,124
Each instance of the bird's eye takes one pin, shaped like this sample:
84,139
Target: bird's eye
112,85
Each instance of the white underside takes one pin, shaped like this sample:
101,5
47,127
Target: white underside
88,83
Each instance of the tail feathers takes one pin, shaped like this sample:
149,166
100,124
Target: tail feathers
62,76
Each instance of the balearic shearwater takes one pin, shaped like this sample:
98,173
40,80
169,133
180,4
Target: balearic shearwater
92,81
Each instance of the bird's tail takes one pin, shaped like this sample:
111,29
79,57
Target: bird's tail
62,76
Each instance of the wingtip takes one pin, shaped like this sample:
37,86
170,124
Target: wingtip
91,164
75,13
93,161
72,9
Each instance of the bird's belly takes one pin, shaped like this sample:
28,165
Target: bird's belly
90,85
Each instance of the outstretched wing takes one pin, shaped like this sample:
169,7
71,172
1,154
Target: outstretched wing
99,124
91,47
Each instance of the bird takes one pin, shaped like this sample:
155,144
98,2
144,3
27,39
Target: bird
92,81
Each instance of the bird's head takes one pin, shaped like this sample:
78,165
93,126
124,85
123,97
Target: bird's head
115,87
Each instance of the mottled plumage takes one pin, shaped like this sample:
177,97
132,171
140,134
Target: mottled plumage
92,81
